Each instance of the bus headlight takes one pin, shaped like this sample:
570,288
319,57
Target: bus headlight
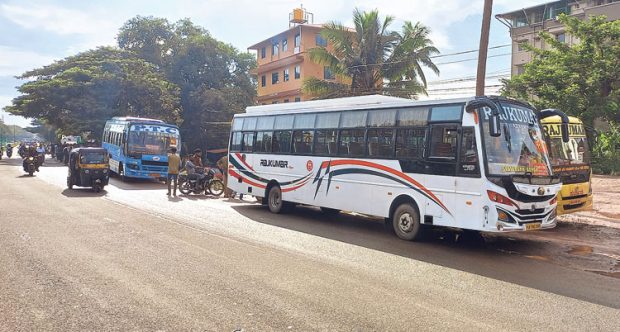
504,216
132,166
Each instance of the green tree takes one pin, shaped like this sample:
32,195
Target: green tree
214,78
582,79
372,59
79,93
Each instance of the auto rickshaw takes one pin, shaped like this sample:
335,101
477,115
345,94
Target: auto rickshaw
88,167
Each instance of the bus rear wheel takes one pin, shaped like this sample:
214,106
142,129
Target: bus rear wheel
275,202
406,223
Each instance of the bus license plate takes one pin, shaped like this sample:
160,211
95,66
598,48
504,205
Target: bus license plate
532,226
154,175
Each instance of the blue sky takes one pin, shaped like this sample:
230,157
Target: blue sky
37,32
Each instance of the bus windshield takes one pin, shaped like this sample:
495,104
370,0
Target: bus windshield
152,143
521,149
573,152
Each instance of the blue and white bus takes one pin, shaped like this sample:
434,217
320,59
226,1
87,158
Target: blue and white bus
138,147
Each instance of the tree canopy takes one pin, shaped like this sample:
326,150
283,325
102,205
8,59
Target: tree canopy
581,79
371,59
213,77
80,92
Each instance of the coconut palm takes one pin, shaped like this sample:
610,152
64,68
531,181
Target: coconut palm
371,59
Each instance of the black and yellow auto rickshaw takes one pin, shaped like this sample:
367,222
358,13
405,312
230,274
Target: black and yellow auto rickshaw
88,167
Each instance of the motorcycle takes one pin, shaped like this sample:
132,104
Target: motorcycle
210,183
9,152
30,165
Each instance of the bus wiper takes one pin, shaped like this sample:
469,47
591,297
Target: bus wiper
529,176
507,138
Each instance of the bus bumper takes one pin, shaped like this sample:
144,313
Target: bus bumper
138,174
570,204
518,225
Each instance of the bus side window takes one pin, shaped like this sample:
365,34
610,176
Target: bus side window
281,141
351,143
248,142
326,142
468,156
235,143
443,145
302,141
381,143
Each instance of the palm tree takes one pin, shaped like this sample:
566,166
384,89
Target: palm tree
372,59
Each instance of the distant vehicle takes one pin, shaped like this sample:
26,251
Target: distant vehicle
138,147
70,140
474,163
571,161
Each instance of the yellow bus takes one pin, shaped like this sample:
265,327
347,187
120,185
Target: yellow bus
570,160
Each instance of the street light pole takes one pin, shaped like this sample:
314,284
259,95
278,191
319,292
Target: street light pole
484,45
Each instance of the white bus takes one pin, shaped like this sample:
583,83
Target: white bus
473,164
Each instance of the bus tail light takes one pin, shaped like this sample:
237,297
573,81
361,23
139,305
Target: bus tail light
501,199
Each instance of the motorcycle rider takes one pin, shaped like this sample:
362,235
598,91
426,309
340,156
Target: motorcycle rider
30,152
196,158
40,153
9,150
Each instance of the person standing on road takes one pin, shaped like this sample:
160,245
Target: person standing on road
222,164
174,163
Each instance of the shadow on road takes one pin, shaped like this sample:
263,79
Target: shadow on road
488,258
137,184
83,192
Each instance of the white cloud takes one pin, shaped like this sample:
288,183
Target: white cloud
93,25
14,61
11,119
55,19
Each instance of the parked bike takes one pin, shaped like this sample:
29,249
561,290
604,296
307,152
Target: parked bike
209,183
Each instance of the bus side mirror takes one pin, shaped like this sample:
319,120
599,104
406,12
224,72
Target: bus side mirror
494,125
565,138
564,127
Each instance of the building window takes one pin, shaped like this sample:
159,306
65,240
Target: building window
297,72
520,69
274,77
327,73
561,37
263,81
286,75
286,100
320,41
263,52
275,48
297,99
297,40
284,45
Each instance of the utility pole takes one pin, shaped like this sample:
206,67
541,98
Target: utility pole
484,45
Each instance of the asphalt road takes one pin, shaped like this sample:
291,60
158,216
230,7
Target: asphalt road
132,259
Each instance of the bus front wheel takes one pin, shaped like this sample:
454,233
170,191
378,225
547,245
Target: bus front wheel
406,222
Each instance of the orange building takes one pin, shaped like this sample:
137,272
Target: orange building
283,61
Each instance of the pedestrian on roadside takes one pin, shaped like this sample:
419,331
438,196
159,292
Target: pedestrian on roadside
222,164
174,163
